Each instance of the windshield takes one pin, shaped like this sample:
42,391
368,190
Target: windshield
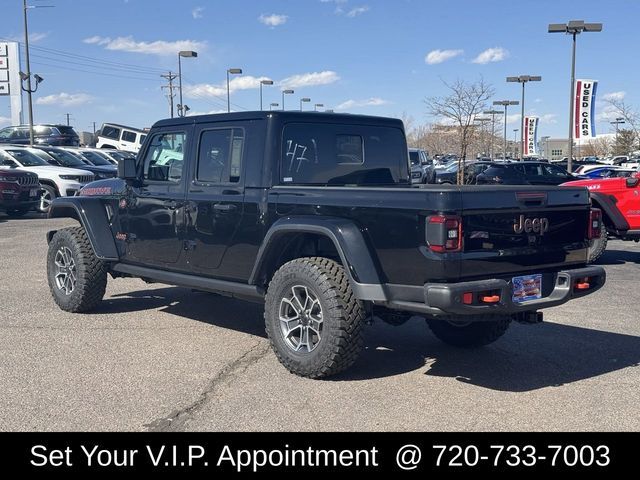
95,158
452,167
65,159
26,158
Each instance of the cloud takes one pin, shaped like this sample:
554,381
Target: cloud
537,100
245,82
34,37
196,13
309,79
513,118
549,118
614,96
193,113
273,20
370,102
157,47
438,56
354,12
606,112
64,99
5,121
496,54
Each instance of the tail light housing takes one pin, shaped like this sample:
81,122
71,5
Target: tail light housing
444,233
595,224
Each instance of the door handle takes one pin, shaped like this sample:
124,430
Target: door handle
171,204
224,207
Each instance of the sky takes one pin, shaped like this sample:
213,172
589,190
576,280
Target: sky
102,61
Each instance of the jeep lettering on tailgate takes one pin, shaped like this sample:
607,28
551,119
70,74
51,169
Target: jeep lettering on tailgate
531,225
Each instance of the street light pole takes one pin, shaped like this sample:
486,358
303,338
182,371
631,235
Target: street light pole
273,105
304,100
523,79
286,92
482,121
264,82
233,71
573,28
315,107
183,53
28,65
505,104
515,135
493,114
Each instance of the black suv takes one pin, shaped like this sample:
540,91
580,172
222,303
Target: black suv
46,134
524,173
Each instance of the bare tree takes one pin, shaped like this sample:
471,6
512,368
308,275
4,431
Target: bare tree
597,147
459,107
630,115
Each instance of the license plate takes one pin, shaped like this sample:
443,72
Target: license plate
33,192
527,287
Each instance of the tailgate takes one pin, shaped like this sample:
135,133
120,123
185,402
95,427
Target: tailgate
509,230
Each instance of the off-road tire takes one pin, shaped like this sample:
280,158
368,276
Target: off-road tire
475,331
17,212
598,246
91,273
343,317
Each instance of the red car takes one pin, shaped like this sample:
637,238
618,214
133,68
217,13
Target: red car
19,192
619,200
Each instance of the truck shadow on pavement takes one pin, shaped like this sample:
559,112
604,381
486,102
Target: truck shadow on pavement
526,358
620,257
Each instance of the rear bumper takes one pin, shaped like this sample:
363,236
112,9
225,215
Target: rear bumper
447,298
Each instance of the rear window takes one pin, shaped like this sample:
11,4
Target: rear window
42,130
110,132
414,157
316,154
64,130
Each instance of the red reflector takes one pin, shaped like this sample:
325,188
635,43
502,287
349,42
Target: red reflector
490,298
582,284
467,298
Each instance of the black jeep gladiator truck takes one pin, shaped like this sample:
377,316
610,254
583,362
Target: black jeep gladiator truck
314,215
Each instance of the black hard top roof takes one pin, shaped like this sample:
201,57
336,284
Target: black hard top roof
286,116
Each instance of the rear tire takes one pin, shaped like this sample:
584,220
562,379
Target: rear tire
478,331
598,246
313,295
77,278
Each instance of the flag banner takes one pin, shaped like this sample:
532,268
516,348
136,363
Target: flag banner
530,126
584,107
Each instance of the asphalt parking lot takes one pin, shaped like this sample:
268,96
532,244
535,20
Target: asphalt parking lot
155,357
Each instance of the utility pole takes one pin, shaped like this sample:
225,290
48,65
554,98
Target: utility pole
170,77
68,115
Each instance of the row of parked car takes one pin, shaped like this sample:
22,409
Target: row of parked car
31,177
507,172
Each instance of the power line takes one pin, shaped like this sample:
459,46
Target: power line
87,71
65,61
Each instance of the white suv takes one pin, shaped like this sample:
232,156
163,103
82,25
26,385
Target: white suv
55,181
120,137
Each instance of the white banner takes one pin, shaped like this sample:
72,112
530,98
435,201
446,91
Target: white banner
584,109
530,126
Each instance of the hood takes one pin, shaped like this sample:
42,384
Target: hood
47,171
111,187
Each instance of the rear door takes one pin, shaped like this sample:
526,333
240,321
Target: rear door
215,196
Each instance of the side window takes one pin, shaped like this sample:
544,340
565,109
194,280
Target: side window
532,170
164,158
142,137
220,156
110,132
5,133
555,171
128,136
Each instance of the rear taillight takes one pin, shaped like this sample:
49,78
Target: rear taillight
595,223
444,233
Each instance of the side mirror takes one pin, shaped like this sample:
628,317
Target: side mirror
632,182
127,169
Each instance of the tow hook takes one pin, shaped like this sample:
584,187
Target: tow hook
528,318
